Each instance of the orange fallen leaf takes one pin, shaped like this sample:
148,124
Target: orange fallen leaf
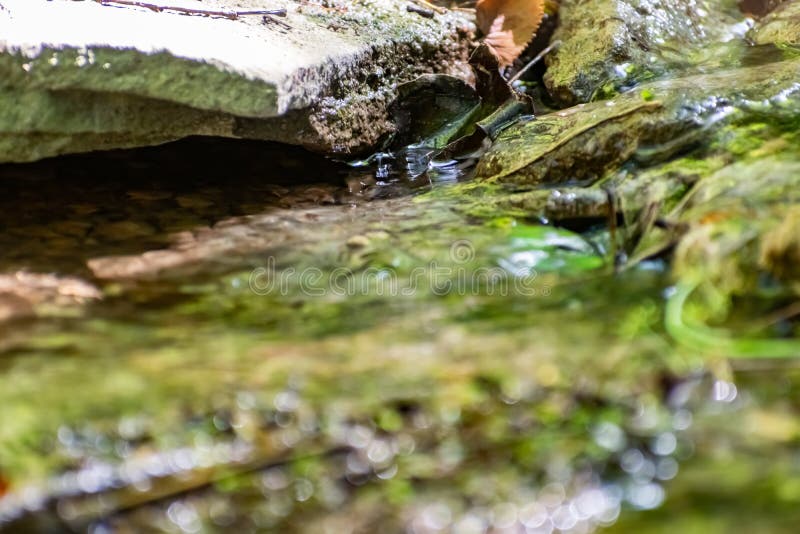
509,25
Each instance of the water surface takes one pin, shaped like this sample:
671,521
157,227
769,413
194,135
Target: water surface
280,342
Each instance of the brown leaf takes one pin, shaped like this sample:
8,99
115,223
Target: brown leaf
509,25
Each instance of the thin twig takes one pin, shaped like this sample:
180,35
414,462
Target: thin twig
432,7
231,15
783,314
534,61
427,13
611,214
270,20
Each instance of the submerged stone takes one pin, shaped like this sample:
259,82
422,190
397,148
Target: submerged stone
24,294
80,76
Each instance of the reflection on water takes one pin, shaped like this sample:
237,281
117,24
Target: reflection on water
182,398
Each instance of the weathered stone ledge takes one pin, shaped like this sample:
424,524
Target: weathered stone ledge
80,76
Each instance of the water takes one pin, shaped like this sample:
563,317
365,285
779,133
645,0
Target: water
269,341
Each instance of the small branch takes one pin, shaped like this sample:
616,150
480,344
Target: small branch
432,7
427,13
231,15
270,20
534,61
783,314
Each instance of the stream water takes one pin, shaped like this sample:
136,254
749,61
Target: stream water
253,338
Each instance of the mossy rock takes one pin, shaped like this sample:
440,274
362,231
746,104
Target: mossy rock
781,26
583,143
125,76
609,45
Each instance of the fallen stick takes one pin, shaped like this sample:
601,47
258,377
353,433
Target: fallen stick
427,13
232,15
534,61
431,7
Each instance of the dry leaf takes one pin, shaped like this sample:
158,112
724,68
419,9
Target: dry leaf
509,25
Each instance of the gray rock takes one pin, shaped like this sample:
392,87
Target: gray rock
78,76
608,45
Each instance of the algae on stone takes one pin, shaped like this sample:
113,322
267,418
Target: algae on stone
608,45
651,124
705,163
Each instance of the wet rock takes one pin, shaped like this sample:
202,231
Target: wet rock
209,249
24,294
622,193
573,145
581,144
13,306
705,164
608,45
123,230
781,26
80,76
